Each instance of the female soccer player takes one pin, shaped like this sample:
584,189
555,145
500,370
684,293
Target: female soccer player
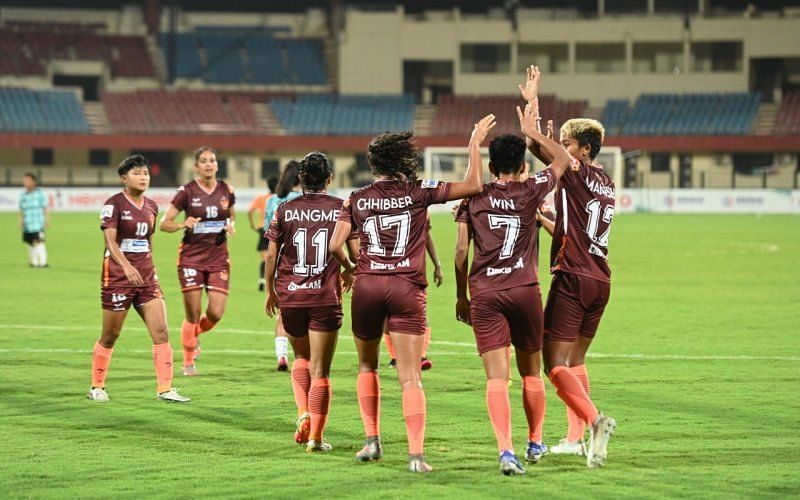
203,255
258,209
288,189
129,277
581,277
309,292
503,282
390,214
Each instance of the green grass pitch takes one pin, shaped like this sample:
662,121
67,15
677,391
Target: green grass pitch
697,358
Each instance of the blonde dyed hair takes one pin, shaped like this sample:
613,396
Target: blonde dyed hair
585,131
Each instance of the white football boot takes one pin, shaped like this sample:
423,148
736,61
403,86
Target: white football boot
565,447
172,396
602,430
98,394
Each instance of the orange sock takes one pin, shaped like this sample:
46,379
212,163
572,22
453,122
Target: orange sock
414,412
499,412
319,404
534,401
204,325
389,346
162,359
189,340
570,390
577,427
426,342
101,358
301,383
369,402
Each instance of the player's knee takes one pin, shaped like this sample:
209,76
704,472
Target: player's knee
366,366
214,315
318,371
410,383
160,335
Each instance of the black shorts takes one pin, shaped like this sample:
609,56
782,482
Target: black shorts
263,242
31,238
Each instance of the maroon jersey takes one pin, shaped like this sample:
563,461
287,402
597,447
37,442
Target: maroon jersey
135,226
546,211
585,207
504,228
307,274
205,247
390,218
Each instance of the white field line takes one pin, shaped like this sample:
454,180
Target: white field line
470,352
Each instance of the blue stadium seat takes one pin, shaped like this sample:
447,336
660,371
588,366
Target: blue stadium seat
54,111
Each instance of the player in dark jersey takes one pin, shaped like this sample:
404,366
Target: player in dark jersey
129,278
203,254
309,292
581,282
506,306
390,216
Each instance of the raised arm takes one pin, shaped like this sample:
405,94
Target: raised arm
462,272
271,262
473,179
530,92
528,122
170,225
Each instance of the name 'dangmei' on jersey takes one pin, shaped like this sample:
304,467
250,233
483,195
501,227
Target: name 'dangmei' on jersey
313,215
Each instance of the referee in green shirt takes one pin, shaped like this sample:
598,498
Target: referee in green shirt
34,217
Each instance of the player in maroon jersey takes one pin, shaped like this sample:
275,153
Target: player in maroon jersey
390,216
309,292
504,305
581,276
203,254
129,278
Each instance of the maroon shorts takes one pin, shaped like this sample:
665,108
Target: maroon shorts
120,298
574,307
299,320
195,279
512,316
377,298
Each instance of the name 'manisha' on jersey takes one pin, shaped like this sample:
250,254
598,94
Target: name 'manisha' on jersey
313,215
599,188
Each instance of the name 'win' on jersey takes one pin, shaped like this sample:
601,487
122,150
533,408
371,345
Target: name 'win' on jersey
135,227
505,230
390,217
307,274
205,246
585,208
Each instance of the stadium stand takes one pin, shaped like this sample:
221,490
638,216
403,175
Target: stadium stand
23,110
318,114
683,114
788,120
27,47
455,115
235,55
180,111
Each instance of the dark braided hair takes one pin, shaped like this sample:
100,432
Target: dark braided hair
393,155
290,178
315,171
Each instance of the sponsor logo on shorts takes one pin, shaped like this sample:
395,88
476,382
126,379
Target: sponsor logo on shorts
223,275
314,285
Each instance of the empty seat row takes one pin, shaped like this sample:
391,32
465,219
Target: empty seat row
54,111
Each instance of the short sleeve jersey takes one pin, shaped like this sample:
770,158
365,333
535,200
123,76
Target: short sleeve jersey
273,202
205,246
505,230
135,226
32,205
584,206
391,219
308,275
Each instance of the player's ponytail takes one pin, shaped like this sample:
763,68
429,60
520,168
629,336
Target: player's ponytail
289,179
315,171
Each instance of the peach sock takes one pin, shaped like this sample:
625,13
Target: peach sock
301,383
204,325
162,359
569,389
499,412
534,401
426,342
389,345
577,427
369,402
319,405
101,358
189,340
414,412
